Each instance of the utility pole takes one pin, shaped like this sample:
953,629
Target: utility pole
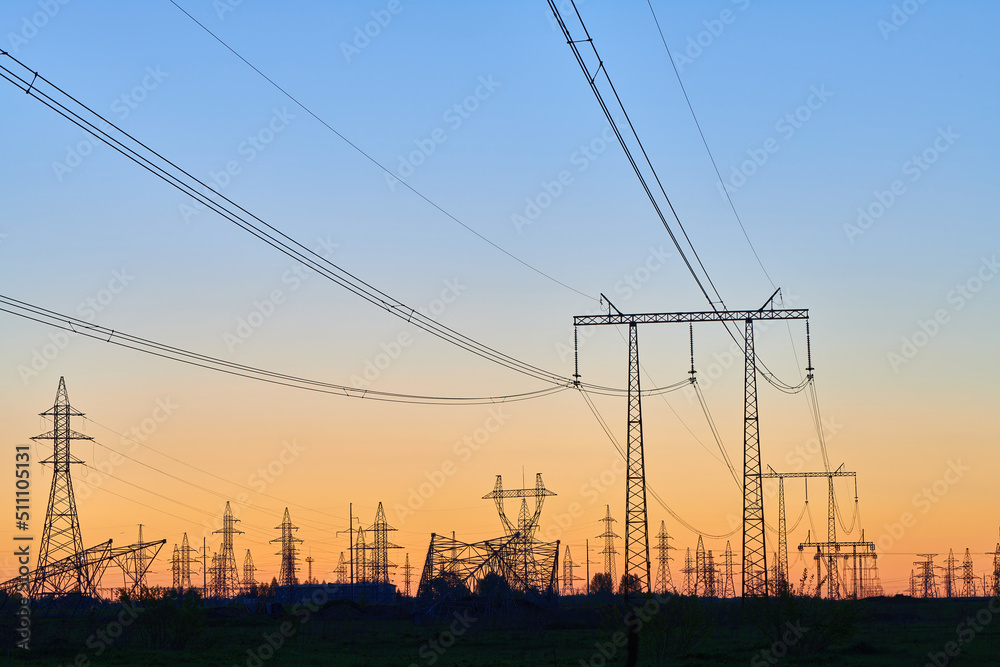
204,566
636,524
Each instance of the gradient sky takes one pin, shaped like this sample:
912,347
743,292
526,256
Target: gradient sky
892,90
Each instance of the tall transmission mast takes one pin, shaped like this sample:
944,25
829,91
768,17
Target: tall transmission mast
249,578
407,575
309,566
950,578
831,553
689,572
187,559
227,582
728,587
754,551
968,576
175,568
289,552
342,575
926,577
664,582
609,552
61,536
380,563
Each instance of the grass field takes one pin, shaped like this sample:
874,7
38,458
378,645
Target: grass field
674,631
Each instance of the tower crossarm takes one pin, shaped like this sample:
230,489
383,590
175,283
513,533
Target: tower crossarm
698,316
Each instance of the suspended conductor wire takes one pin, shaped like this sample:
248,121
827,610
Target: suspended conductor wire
376,162
203,193
649,489
705,143
591,80
122,339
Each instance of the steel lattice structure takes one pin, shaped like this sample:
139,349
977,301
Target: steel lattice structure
453,569
289,552
61,537
186,560
781,570
859,552
249,578
524,556
968,577
342,575
380,564
636,535
728,587
609,552
227,578
926,578
664,581
407,574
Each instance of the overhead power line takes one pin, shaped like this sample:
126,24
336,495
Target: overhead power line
705,143
378,164
44,91
126,340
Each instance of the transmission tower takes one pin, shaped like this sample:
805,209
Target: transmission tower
700,585
227,583
288,553
781,578
569,578
407,573
664,582
968,576
689,574
926,577
175,568
342,575
309,567
996,571
754,552
380,563
61,536
361,554
913,584
950,571
141,564
249,579
728,587
609,552
187,559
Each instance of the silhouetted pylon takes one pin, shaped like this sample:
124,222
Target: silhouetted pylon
380,563
249,579
968,576
288,553
61,536
609,550
664,581
227,582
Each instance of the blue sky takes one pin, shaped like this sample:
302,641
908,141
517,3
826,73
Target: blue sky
880,96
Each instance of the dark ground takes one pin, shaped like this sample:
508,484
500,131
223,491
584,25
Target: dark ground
676,631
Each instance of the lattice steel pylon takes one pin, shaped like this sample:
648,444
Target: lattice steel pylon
664,582
996,571
407,575
689,572
950,572
926,577
522,549
755,574
754,548
361,569
968,576
227,578
636,522
380,563
728,586
781,583
249,578
61,537
186,560
342,575
609,552
289,552
175,567
569,578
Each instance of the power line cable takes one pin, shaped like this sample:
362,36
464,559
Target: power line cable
376,162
